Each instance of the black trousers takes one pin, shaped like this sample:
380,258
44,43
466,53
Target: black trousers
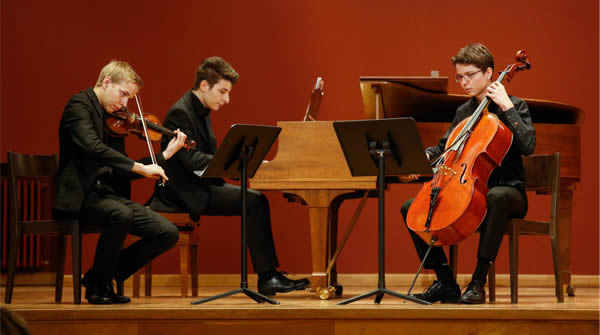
122,216
503,202
226,200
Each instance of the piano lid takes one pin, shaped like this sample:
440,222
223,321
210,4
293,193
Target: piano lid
426,99
431,84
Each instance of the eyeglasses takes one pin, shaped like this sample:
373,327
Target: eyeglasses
467,76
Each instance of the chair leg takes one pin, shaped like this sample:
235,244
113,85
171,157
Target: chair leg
76,258
148,280
492,282
513,236
14,241
61,242
136,283
194,268
453,254
560,293
184,254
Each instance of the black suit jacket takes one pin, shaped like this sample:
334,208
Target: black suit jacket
86,151
185,190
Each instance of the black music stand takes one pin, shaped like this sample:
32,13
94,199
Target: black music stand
239,156
366,145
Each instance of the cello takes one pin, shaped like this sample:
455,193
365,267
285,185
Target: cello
453,204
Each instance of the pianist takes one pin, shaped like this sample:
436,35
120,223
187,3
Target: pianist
506,198
213,197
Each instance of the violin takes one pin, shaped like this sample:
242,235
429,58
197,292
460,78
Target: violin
122,122
453,204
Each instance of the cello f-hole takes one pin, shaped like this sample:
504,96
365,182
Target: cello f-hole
462,175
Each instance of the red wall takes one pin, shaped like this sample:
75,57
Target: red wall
51,50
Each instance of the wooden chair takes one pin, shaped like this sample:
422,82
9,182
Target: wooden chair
31,190
188,257
542,177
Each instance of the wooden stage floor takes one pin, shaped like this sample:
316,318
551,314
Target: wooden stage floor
302,312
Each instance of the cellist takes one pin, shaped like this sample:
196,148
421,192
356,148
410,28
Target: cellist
93,183
506,198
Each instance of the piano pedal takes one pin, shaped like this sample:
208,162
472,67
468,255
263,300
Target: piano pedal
329,292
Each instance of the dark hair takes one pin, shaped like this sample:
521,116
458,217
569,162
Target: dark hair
475,54
213,69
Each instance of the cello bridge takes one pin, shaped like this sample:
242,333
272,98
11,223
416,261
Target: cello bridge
445,170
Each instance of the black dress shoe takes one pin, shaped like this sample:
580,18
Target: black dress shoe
280,283
474,294
301,284
97,295
447,294
94,293
115,298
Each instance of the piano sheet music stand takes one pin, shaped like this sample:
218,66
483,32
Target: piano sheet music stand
380,148
239,156
315,101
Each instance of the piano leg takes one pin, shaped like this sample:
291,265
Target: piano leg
333,232
318,232
334,248
323,207
318,203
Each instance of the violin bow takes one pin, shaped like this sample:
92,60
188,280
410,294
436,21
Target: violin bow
138,101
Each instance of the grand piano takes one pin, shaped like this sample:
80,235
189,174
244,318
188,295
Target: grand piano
310,166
